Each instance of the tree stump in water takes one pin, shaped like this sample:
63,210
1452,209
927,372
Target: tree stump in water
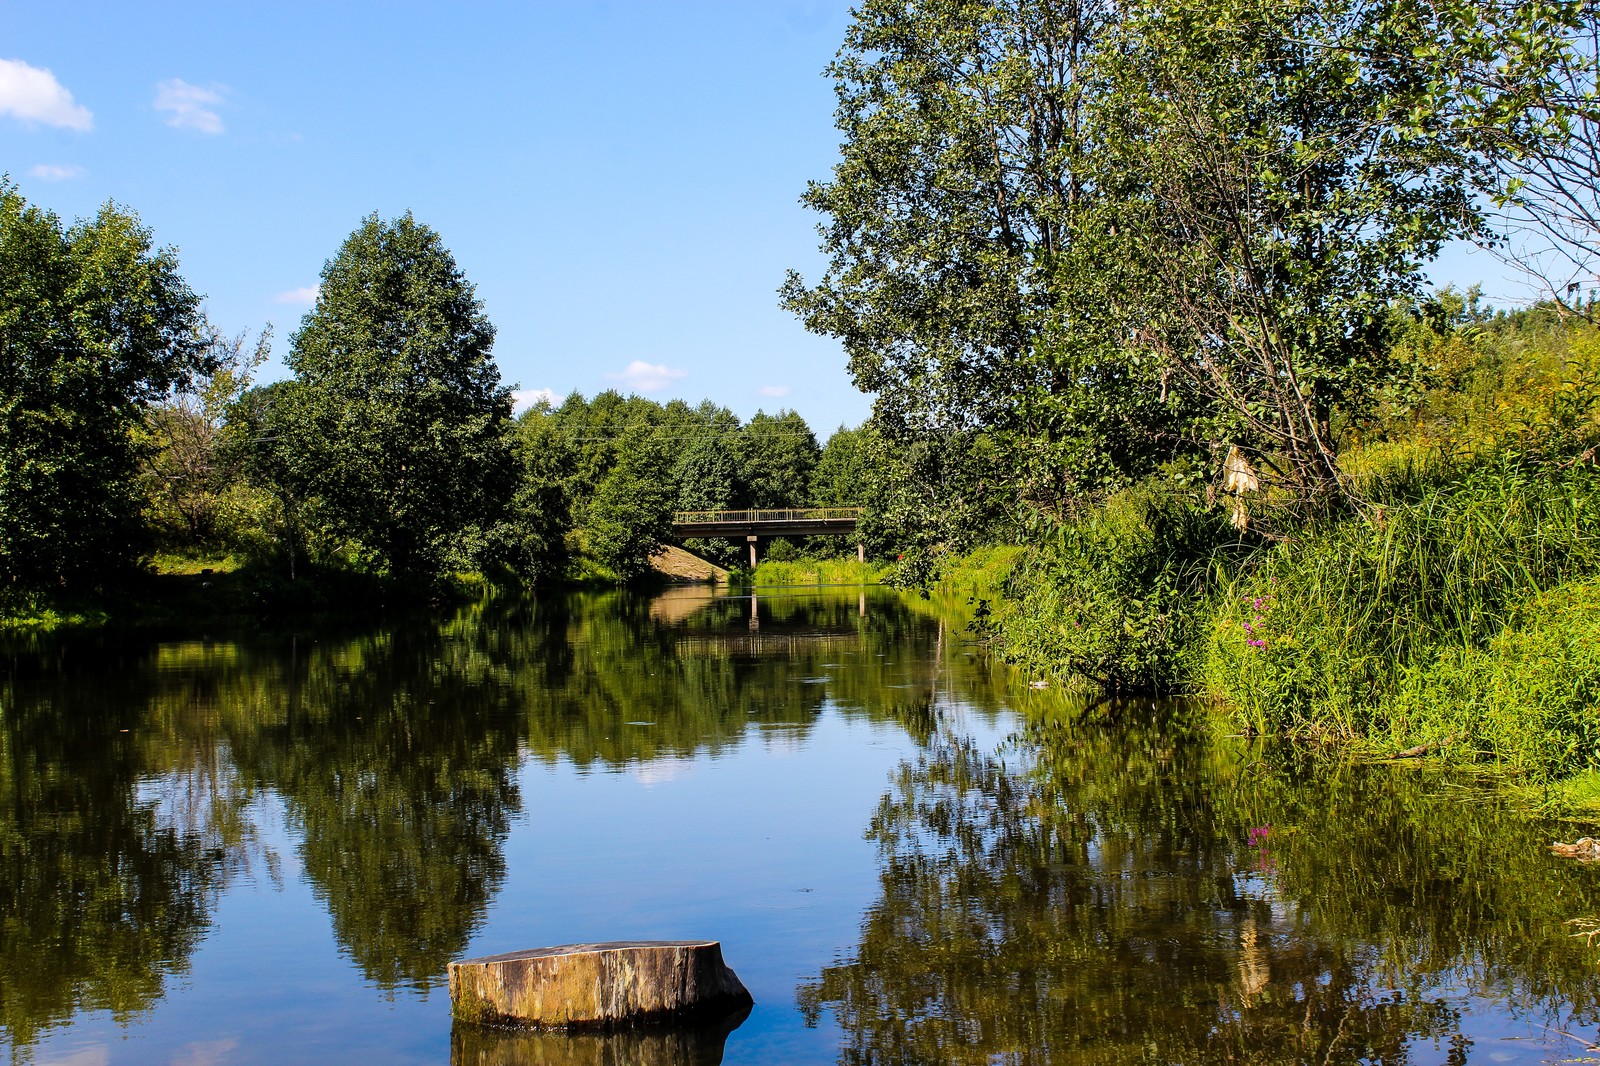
596,986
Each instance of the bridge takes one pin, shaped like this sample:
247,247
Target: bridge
754,526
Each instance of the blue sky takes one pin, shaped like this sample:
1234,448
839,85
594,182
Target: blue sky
620,180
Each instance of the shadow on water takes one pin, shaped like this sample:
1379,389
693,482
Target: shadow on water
1122,886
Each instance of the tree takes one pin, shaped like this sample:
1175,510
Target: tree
843,475
1272,178
631,513
708,469
1113,237
780,452
197,465
1550,172
399,418
953,201
95,323
531,541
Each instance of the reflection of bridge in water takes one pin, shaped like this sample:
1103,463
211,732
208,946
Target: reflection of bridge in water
754,526
756,644
782,639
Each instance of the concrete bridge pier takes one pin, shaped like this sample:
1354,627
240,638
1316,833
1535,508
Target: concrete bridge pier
755,555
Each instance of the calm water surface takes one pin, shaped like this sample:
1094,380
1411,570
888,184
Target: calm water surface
266,848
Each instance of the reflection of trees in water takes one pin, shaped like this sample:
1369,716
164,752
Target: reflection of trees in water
395,752
1146,894
584,668
103,895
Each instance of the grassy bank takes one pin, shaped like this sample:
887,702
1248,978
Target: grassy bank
1452,609
775,573
187,591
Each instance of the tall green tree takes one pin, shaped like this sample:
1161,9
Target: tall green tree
1114,236
780,451
1273,177
631,513
708,469
95,323
399,417
946,217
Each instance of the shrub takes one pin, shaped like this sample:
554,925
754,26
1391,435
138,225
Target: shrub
1112,597
1529,700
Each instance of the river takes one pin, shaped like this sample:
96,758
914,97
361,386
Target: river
266,845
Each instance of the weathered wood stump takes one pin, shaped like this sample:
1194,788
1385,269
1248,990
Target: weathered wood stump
596,986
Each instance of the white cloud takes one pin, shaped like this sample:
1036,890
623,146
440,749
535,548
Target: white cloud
522,399
305,296
55,171
33,95
774,391
190,107
647,377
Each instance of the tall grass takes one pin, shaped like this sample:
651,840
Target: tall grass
1112,599
778,573
1321,636
1529,699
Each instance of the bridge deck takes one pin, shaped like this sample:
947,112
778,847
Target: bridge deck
790,522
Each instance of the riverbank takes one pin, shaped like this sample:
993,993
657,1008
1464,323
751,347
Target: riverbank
1450,606
171,589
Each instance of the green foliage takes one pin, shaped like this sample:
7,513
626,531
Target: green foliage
1272,177
780,452
628,463
95,322
531,541
984,573
1112,597
1114,240
1527,700
776,573
631,512
845,472
397,421
707,472
194,475
1317,638
934,499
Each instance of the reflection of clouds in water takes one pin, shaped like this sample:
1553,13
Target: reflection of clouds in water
209,1053
89,1056
661,771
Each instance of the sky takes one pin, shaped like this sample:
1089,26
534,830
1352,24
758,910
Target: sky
620,180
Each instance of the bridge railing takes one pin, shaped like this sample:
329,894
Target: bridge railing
745,518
